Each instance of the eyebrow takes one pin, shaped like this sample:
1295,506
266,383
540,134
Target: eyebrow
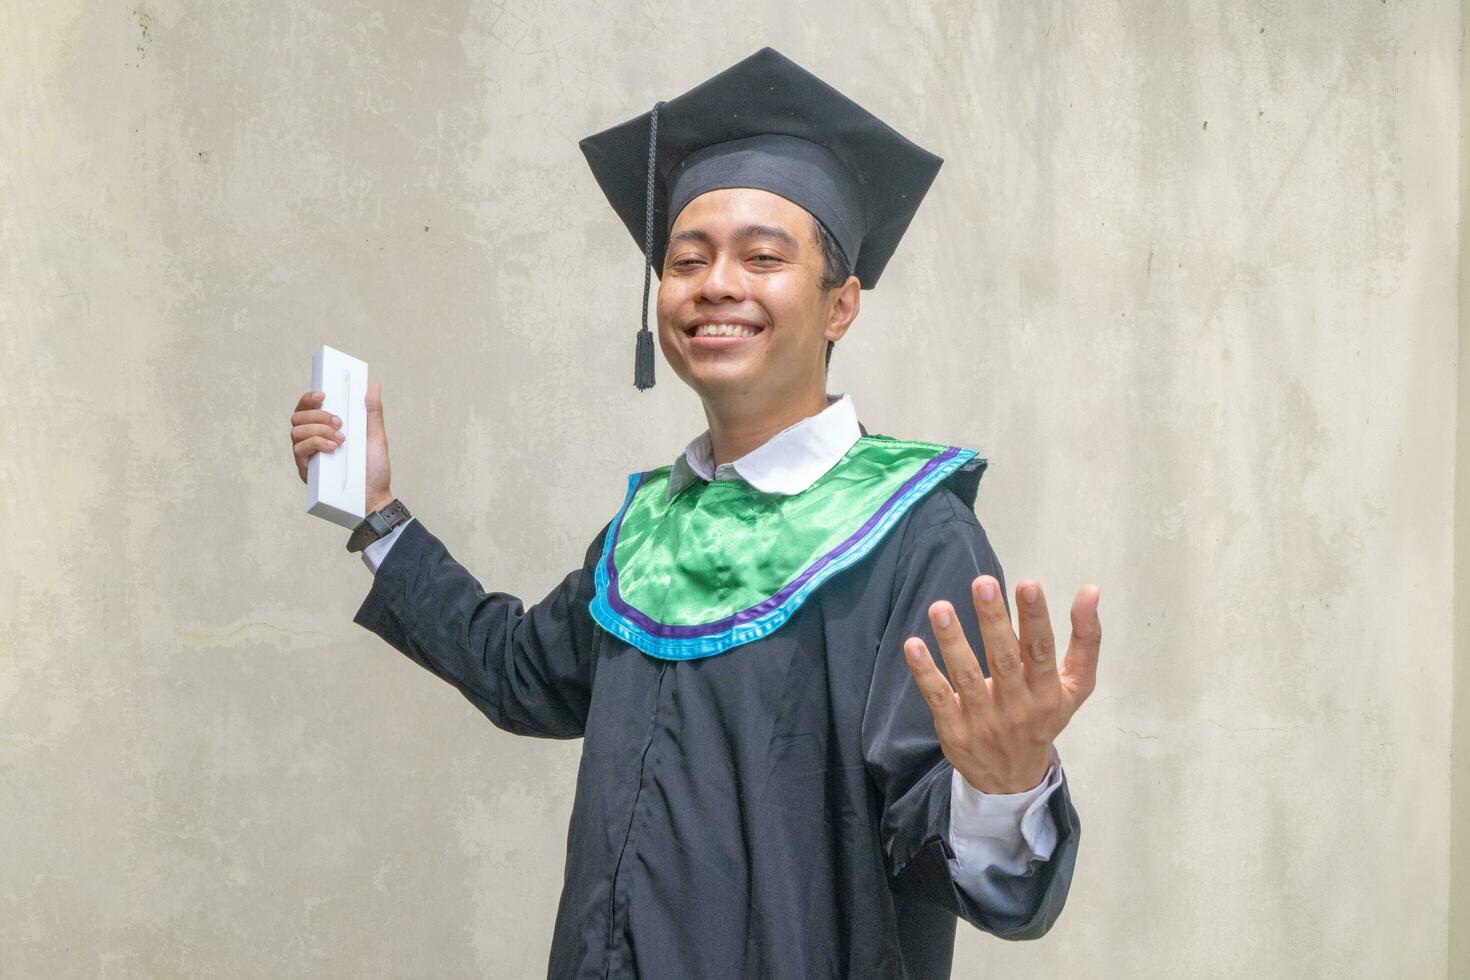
743,233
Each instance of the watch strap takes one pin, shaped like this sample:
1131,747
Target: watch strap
378,524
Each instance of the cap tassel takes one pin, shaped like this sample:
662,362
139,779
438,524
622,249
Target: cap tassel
643,359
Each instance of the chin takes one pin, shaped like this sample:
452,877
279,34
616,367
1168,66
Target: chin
710,377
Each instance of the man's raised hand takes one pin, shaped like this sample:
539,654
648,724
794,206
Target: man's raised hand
314,430
998,730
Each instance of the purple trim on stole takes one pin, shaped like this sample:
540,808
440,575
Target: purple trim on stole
765,605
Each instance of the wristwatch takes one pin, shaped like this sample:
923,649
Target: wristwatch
377,524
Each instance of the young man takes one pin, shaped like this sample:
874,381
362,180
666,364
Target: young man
777,780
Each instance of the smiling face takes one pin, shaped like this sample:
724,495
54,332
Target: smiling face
742,316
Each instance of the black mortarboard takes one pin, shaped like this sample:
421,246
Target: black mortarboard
768,123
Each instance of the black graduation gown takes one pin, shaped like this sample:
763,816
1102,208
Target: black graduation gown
779,810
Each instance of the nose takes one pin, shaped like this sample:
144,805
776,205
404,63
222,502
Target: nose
722,280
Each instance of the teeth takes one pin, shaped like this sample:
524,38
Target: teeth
724,330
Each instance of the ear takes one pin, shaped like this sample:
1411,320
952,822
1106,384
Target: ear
845,302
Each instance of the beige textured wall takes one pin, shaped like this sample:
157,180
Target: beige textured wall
1188,279
1460,746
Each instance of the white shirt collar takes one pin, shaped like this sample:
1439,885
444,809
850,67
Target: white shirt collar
787,463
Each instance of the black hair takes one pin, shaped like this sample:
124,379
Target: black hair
835,269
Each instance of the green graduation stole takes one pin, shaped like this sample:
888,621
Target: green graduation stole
724,564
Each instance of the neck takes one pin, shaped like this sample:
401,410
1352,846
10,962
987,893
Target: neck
735,430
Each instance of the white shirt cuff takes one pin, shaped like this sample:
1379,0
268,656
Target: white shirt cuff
373,554
1009,830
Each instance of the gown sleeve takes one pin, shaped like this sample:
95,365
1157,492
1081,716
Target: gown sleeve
528,670
906,763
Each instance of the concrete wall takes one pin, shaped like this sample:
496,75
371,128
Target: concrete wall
1188,279
1460,745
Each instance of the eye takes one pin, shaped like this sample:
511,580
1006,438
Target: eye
773,258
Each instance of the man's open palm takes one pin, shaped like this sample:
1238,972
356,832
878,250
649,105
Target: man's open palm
998,730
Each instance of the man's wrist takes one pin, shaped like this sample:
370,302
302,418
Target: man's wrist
993,786
379,502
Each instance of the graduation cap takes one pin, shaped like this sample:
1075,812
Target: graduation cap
764,122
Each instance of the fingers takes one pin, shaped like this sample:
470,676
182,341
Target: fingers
310,400
1079,672
308,412
965,674
1038,645
936,690
313,430
331,430
1002,652
304,449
